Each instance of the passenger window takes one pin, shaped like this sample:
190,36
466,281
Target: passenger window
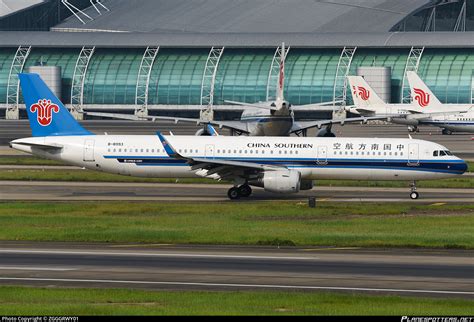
291,152
286,152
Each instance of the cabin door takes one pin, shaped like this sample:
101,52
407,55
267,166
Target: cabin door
89,150
322,155
413,154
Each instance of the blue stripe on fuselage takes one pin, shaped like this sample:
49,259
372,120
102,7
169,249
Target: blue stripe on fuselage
445,166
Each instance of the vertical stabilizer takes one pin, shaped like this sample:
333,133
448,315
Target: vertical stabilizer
47,115
281,76
422,96
362,94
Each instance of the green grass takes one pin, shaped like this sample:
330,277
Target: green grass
241,223
94,176
27,160
79,301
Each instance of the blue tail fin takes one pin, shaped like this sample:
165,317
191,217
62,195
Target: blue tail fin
47,115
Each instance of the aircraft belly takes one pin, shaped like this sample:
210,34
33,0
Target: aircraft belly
375,174
458,128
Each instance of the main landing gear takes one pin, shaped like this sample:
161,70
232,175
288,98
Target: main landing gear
240,191
413,194
446,132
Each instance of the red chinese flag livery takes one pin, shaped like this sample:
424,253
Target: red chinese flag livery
44,111
421,97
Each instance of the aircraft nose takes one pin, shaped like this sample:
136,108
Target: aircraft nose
463,167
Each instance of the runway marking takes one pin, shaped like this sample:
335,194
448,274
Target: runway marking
329,248
58,252
27,268
438,204
336,288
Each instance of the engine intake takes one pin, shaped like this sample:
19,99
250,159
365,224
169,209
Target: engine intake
282,181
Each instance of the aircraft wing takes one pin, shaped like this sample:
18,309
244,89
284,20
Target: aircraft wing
234,125
304,125
217,168
264,106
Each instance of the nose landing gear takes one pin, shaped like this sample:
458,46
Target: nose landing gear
241,191
413,194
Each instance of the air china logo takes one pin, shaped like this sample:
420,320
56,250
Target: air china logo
361,92
421,97
44,109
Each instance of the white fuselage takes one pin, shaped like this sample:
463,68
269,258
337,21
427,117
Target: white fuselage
315,158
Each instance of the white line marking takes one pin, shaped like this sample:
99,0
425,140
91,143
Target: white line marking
237,285
28,268
59,252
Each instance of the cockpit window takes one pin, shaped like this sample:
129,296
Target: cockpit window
441,153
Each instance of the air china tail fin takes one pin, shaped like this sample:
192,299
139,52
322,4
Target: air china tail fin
47,115
362,94
421,94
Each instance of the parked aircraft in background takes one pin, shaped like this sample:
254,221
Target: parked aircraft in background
368,103
277,164
272,118
461,119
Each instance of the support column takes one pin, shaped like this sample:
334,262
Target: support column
143,80
340,82
208,82
274,73
13,86
412,64
78,79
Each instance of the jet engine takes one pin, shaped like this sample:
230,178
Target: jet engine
325,132
202,132
281,181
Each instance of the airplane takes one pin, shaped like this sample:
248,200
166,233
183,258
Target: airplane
458,117
277,164
271,118
368,103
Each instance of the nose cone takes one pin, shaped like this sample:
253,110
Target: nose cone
463,167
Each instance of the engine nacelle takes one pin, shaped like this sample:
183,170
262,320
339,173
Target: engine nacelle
202,132
283,181
324,132
405,121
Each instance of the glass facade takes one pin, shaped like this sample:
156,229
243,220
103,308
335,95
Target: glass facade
6,57
176,76
242,75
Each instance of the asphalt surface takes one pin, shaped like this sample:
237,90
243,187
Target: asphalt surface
461,144
109,191
412,272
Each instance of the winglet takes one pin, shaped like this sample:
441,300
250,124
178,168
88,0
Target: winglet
168,147
212,131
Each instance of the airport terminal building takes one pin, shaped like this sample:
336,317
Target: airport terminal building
159,56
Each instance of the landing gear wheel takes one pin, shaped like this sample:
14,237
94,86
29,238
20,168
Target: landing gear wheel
413,194
446,132
245,190
233,193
